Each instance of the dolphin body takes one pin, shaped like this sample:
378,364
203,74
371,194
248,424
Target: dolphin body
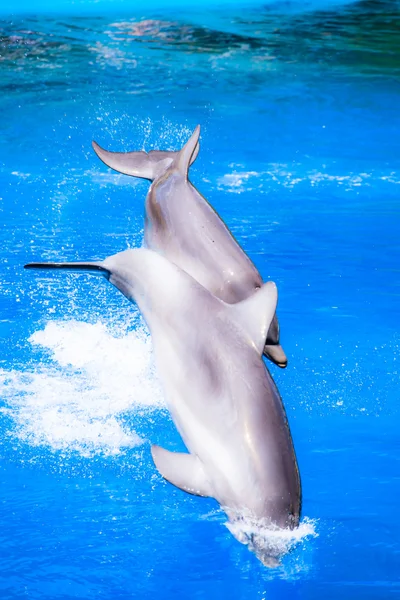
222,399
181,225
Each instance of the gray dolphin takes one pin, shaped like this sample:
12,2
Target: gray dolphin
182,225
222,399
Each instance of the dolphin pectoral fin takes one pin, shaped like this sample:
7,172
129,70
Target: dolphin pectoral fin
140,164
275,353
182,470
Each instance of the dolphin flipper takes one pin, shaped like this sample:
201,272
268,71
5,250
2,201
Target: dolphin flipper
182,470
141,164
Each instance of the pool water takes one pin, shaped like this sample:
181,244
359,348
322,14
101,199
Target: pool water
300,119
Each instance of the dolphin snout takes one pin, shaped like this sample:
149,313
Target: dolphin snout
276,354
268,556
258,541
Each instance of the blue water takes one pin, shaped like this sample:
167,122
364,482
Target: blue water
300,121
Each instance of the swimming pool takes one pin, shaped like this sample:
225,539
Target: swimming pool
299,154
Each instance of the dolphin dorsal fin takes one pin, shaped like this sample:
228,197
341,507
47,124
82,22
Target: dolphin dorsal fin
188,153
255,314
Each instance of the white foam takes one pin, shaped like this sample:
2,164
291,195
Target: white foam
239,181
106,178
109,56
20,174
74,398
260,536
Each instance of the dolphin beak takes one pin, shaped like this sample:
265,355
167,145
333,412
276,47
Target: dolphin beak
276,354
267,560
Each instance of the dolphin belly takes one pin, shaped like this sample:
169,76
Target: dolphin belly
241,437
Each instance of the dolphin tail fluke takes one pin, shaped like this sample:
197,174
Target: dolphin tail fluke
88,267
182,470
188,153
136,164
141,164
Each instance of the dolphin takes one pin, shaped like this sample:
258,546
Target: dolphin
222,399
183,226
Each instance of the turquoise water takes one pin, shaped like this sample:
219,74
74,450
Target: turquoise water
300,155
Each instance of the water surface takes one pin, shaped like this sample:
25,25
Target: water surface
300,155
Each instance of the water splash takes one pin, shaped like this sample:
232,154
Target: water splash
76,396
270,543
290,176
